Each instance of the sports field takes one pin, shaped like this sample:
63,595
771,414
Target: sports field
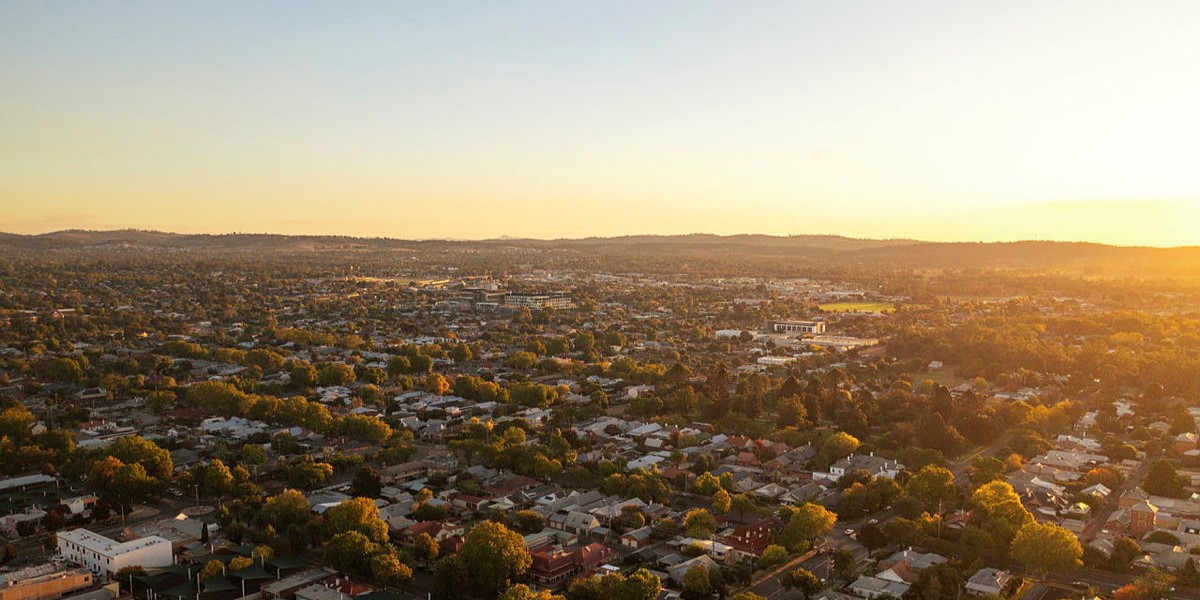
874,307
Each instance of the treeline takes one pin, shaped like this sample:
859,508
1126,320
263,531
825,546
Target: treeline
1120,349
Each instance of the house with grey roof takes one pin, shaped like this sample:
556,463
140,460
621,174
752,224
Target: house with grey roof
988,581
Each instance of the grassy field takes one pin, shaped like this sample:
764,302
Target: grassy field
875,307
944,376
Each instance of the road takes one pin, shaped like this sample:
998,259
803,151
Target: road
818,561
960,466
1101,516
31,550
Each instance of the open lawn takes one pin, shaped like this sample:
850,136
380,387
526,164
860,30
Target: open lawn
873,307
944,376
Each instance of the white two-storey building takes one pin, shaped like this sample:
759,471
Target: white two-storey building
103,556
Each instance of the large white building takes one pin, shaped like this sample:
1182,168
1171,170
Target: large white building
817,327
554,301
875,466
103,556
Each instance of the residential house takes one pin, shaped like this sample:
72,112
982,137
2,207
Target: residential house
875,466
749,541
579,523
553,566
873,587
677,570
637,538
988,581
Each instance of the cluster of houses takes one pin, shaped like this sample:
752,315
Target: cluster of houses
896,574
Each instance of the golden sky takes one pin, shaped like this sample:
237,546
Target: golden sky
928,120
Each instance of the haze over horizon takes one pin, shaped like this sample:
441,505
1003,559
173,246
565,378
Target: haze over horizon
503,237
929,120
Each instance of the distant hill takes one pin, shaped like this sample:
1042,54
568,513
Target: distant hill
1077,257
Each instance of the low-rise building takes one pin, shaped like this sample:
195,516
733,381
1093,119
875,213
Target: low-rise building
874,587
104,556
51,580
988,581
816,327
875,466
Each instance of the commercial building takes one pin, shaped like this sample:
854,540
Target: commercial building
103,556
43,582
554,301
814,327
286,588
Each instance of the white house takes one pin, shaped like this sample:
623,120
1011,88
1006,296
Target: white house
875,466
103,556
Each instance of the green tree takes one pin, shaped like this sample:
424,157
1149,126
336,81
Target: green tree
747,596
872,537
420,363
699,523
807,523
240,562
1124,551
159,401
218,479
367,483
932,485
1162,480
254,454
837,446
773,556
985,469
136,449
802,579
844,565
435,383
721,502
461,353
264,359
521,591
303,375
219,397
696,583
521,360
335,374
743,503
349,551
706,484
387,568
1155,584
262,554
494,555
998,509
529,521
357,514
211,568
1045,548
131,483
307,474
640,585
289,507
425,549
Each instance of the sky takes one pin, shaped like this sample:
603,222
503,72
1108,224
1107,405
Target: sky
954,120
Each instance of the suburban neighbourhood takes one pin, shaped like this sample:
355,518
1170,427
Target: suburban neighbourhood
214,429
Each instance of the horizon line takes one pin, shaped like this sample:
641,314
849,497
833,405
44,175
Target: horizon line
506,238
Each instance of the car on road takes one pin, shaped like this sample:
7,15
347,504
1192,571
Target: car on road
849,532
873,522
